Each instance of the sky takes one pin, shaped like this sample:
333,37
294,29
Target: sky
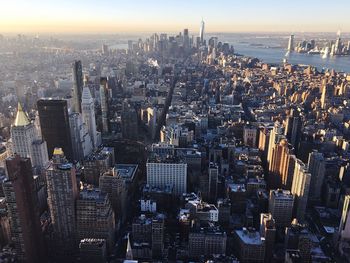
119,16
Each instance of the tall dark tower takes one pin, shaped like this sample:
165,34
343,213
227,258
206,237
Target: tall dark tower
293,128
78,85
22,205
54,123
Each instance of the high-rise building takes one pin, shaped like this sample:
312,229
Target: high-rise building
317,168
275,177
213,174
167,172
344,225
158,230
104,104
298,237
201,32
93,250
88,112
293,129
281,207
95,216
113,184
77,85
23,211
54,123
62,194
186,43
291,43
275,136
268,231
81,140
26,142
300,189
250,246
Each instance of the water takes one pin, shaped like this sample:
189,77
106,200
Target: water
276,55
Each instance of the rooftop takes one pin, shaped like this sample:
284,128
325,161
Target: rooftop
250,236
126,171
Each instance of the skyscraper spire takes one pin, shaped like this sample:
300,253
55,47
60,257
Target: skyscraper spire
201,31
129,249
21,117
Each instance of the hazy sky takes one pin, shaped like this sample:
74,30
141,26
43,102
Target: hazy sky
108,16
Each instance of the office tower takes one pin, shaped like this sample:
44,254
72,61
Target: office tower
249,245
287,167
213,174
300,189
104,104
93,250
113,184
344,225
96,164
268,231
264,139
281,207
26,142
317,168
54,123
105,49
77,85
158,236
186,43
275,136
95,216
88,112
129,122
130,45
291,43
293,128
167,172
201,32
327,92
23,211
62,194
275,178
81,140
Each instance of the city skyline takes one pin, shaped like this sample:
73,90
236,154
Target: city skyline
139,16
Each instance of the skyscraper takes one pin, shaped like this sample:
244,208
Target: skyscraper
281,207
291,43
293,128
300,189
268,231
95,216
62,194
54,123
77,85
22,205
88,112
344,225
162,173
317,168
81,141
104,104
26,142
201,32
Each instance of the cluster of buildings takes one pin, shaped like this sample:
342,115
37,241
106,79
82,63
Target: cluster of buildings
174,149
331,48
